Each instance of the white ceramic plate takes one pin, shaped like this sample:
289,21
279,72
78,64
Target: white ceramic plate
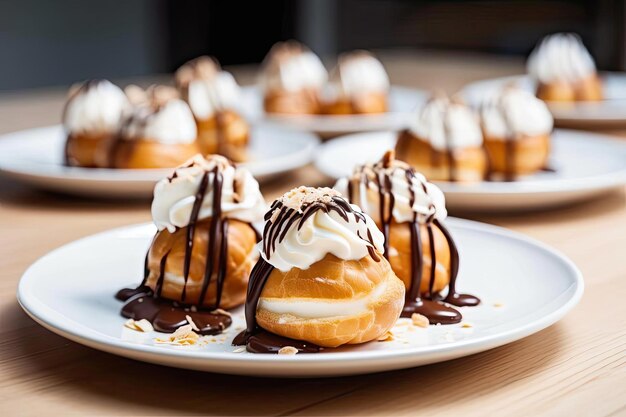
525,286
586,164
402,103
35,157
610,111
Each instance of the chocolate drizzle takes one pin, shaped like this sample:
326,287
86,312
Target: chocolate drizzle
429,304
167,315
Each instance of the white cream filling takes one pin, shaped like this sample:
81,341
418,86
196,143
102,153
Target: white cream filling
308,308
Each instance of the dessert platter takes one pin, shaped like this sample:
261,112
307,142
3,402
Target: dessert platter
368,276
503,155
295,90
562,72
116,142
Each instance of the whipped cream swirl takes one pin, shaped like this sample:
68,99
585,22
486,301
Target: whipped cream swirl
170,123
292,67
447,124
97,107
414,198
515,113
306,224
208,96
561,57
174,196
357,73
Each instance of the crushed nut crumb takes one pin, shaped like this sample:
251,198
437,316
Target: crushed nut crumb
191,322
239,349
142,325
419,320
287,350
466,325
498,304
222,312
183,336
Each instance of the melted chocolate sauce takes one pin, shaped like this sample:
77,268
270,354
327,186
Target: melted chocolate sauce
429,305
166,315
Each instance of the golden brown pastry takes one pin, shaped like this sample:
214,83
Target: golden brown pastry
205,246
322,278
410,212
358,85
291,80
214,98
160,133
445,142
516,127
564,70
92,117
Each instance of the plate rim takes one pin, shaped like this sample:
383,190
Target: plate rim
37,310
484,188
107,175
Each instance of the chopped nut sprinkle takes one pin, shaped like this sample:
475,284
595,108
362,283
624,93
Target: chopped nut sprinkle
287,350
419,320
142,325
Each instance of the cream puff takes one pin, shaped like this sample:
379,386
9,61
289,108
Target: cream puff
322,279
214,98
160,133
92,117
445,142
564,70
410,211
291,79
516,128
359,84
204,249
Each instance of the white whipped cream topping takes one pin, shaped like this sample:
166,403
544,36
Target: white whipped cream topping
560,57
324,233
172,123
174,196
96,106
448,125
317,309
293,72
357,73
206,96
515,113
428,198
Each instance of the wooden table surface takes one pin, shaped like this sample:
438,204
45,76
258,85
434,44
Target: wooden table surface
575,367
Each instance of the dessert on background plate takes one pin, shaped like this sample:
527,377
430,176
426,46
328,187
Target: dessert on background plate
160,133
199,261
516,128
214,98
321,280
291,79
92,117
410,211
358,84
445,142
564,70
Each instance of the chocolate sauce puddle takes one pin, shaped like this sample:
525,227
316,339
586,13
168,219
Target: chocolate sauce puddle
167,316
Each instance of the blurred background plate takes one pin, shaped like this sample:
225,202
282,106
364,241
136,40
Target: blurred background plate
609,112
403,102
586,164
35,157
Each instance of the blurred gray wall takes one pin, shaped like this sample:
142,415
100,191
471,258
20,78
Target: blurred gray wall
58,42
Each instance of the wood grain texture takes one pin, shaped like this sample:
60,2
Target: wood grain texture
576,367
